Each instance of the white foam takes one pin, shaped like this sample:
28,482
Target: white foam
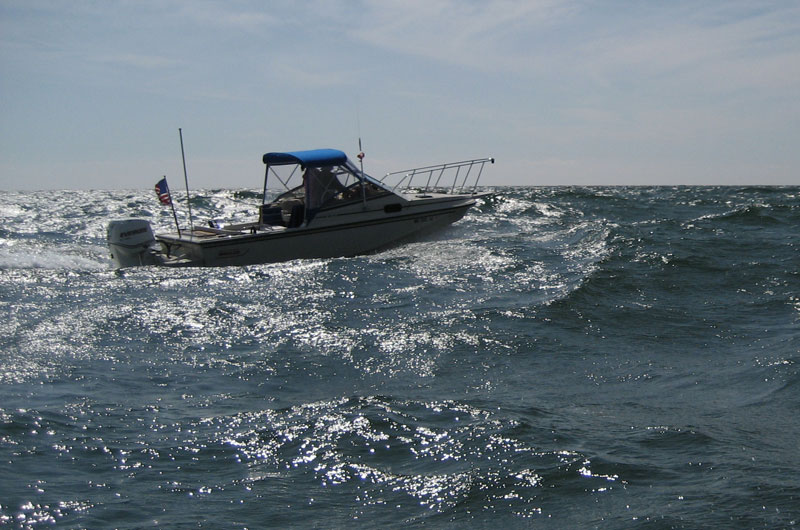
48,259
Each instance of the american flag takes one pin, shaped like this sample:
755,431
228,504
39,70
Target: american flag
162,190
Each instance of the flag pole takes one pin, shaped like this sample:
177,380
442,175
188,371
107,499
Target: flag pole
174,215
186,180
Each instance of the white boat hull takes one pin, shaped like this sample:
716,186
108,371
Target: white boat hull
334,240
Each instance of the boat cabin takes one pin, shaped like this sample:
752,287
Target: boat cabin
315,181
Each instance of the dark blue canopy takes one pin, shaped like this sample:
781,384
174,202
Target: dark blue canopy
312,158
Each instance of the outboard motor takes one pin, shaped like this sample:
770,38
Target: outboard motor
131,242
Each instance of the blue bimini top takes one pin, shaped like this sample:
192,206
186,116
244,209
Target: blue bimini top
311,158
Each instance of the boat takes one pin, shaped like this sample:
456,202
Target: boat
327,207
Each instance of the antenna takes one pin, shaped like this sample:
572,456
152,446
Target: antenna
361,155
363,179
186,180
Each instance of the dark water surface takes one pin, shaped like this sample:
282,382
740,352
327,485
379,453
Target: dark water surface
560,358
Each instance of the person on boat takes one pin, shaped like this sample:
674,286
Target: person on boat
321,185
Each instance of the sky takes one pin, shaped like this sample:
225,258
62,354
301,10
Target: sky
560,92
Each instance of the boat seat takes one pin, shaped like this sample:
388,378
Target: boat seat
271,215
298,213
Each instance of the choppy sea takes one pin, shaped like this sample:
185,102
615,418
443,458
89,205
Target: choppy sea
621,357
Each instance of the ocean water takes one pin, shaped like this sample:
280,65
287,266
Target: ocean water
623,357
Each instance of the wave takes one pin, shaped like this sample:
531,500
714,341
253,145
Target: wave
445,456
751,216
50,259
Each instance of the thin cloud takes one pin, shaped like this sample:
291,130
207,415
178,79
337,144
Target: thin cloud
309,77
467,34
568,38
224,15
686,39
149,62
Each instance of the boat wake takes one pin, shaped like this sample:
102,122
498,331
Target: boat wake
51,260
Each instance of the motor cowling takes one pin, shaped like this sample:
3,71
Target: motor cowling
132,243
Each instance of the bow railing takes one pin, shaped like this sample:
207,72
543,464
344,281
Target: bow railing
457,176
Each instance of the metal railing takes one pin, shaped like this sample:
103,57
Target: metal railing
438,177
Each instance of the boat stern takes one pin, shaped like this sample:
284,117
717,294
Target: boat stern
132,243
